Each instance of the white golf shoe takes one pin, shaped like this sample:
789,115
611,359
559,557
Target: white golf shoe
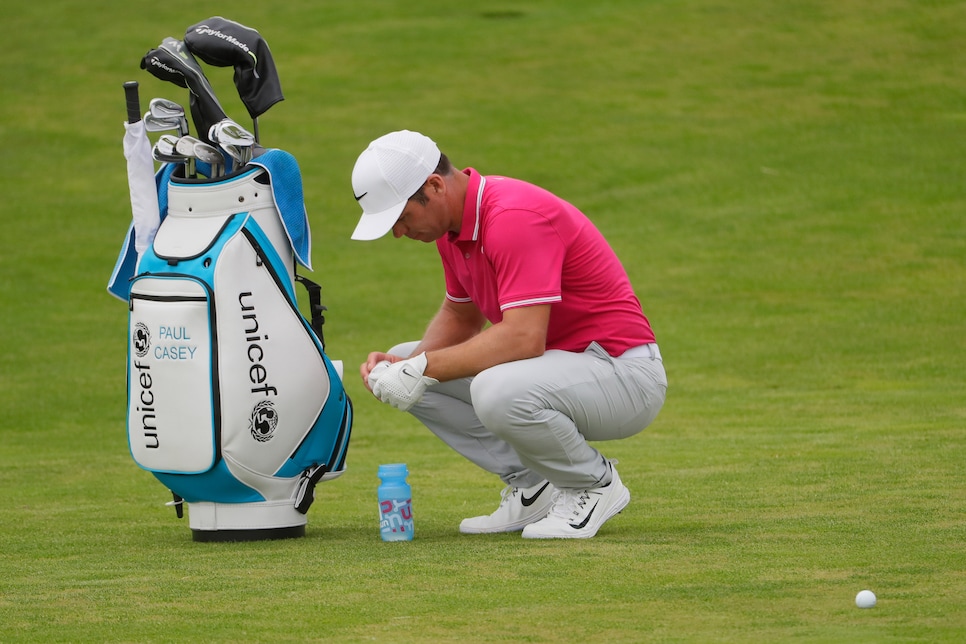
518,508
579,514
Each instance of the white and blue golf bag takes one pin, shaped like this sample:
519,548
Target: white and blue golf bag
233,403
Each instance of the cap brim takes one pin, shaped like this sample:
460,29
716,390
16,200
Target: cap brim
375,225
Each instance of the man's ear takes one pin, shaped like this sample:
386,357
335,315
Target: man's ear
436,184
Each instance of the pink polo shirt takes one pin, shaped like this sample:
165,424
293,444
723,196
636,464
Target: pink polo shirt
520,245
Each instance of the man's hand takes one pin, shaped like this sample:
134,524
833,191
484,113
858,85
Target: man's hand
375,372
402,383
375,359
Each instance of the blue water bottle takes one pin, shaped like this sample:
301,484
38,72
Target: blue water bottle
395,503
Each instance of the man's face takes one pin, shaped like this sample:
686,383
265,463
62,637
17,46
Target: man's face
425,223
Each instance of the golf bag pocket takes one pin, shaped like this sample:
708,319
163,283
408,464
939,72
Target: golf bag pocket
171,418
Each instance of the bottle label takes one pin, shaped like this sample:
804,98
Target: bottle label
396,519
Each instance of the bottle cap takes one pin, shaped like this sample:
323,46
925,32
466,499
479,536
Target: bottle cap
393,469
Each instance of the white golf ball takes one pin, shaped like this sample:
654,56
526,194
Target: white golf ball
865,599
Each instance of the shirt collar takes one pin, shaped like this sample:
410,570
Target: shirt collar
470,227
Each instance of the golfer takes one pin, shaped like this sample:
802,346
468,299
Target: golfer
539,346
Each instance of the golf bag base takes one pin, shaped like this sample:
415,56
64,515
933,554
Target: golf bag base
212,536
233,403
245,521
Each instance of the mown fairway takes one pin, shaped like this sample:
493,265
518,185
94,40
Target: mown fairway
784,182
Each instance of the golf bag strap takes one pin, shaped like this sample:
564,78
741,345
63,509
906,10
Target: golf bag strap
315,306
305,494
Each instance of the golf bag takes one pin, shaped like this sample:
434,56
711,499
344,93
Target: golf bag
233,403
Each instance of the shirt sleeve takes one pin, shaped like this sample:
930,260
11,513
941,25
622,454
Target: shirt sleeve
527,255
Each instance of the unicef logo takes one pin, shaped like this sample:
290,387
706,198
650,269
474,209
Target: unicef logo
141,339
264,421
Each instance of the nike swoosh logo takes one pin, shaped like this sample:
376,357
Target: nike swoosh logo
360,196
528,502
582,524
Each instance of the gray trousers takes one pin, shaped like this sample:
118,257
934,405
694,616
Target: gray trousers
530,420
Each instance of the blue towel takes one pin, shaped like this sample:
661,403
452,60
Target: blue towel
286,180
289,200
120,283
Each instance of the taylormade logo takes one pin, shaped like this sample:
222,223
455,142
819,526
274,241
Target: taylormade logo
264,415
156,62
205,30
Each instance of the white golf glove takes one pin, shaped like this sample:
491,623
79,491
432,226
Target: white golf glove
376,372
401,384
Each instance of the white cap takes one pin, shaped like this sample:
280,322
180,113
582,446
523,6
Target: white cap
390,171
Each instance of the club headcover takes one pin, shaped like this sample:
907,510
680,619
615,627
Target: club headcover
222,43
172,62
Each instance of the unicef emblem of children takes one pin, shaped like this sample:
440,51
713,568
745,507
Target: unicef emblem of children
141,339
264,421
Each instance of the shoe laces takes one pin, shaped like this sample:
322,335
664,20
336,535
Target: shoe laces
507,494
568,503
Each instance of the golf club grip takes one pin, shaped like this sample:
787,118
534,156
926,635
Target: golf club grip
133,101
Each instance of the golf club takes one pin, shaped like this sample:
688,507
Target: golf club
154,124
140,172
172,62
165,109
221,42
209,154
186,148
165,150
235,140
132,101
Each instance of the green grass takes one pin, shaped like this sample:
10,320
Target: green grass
784,183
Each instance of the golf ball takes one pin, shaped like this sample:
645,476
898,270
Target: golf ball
865,599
